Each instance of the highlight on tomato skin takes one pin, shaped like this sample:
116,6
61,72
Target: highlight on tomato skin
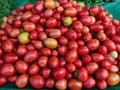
60,44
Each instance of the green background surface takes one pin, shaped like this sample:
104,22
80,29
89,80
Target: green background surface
112,7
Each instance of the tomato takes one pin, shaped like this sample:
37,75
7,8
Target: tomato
80,42
67,5
72,45
50,43
94,10
54,52
78,63
45,51
115,38
61,84
38,44
71,35
23,38
93,44
86,58
53,62
37,81
33,69
106,64
63,30
70,67
7,70
57,16
43,61
42,35
113,79
62,50
89,83
70,11
31,56
62,62
63,40
22,80
22,69
87,37
74,84
114,54
83,50
102,49
59,73
28,6
49,83
110,45
102,84
3,80
39,7
97,57
82,74
71,56
50,4
109,58
114,69
14,33
8,45
46,72
42,21
27,15
12,79
35,19
101,74
48,13
86,20
10,58
110,31
101,36
51,22
60,9
55,33
29,27
67,21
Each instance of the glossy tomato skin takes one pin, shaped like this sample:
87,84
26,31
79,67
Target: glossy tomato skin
87,37
83,50
22,80
59,73
3,80
31,56
71,35
49,83
106,64
34,35
53,62
7,70
82,74
96,57
102,84
63,40
102,49
37,81
51,22
21,66
70,67
91,67
86,59
46,72
12,79
45,51
62,50
75,84
70,11
90,83
42,61
39,7
61,84
28,6
10,58
86,20
78,63
33,69
62,62
78,26
71,56
8,45
94,10
101,74
48,13
29,26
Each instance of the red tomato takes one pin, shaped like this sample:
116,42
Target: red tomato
71,56
91,67
96,57
3,80
102,84
94,10
29,27
78,26
62,50
43,61
33,69
101,74
59,73
102,49
87,37
53,62
63,40
37,81
72,45
82,74
86,58
71,35
12,79
21,66
96,28
106,64
83,50
46,72
86,20
70,11
74,84
39,7
27,15
61,84
90,83
51,22
48,13
46,51
49,83
78,63
70,67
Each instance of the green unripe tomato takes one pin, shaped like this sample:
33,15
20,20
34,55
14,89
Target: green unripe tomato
67,21
114,54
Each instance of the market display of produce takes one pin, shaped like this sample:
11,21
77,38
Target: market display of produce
61,44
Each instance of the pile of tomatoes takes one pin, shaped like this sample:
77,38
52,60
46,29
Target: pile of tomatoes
60,44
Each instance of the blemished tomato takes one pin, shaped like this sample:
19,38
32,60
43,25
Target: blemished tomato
21,66
75,84
59,73
91,67
82,74
37,81
22,80
3,80
7,70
